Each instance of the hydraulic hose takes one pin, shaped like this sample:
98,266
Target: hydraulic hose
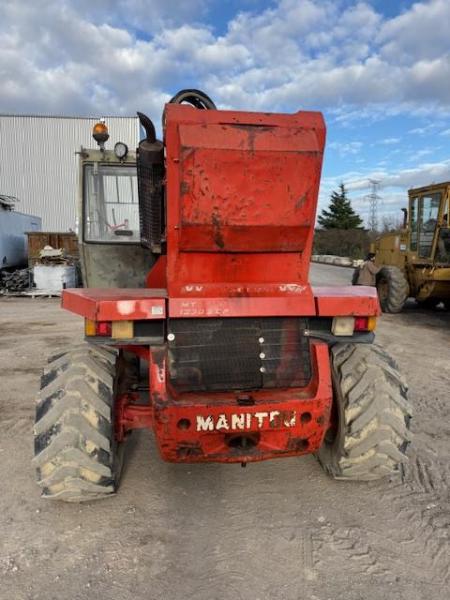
197,98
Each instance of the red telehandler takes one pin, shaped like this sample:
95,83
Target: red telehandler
200,321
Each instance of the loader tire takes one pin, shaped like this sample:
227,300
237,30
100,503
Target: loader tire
76,456
392,288
371,431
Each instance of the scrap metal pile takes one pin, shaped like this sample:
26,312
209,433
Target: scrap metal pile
16,281
55,256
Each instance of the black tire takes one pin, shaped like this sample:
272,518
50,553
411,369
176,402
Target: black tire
373,415
393,289
355,276
76,456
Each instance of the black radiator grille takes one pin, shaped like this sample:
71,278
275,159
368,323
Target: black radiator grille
238,353
151,209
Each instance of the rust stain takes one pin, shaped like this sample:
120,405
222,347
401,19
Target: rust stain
252,131
301,201
184,188
298,445
187,449
217,225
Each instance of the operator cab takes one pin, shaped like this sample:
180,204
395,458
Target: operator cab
429,233
110,241
111,204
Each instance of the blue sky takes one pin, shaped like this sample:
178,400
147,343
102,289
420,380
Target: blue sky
379,70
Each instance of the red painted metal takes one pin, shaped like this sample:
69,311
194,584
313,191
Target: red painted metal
247,306
280,423
241,200
116,304
129,414
358,301
156,277
248,300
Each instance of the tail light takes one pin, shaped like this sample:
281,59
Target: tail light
346,326
365,323
97,328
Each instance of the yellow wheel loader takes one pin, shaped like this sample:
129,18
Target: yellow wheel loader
415,262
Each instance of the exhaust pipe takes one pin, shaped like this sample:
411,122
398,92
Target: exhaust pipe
405,217
147,124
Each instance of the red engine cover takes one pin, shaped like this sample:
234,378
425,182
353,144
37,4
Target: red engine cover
241,199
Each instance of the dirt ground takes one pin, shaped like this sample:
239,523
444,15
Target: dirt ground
278,530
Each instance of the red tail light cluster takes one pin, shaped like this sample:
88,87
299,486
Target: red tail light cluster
103,328
365,323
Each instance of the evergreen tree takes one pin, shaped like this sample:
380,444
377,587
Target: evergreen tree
340,214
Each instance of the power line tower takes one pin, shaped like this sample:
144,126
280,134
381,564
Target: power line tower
373,198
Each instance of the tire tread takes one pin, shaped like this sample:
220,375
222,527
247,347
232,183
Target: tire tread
376,414
74,454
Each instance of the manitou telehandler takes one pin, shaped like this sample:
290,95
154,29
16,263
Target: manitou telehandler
200,321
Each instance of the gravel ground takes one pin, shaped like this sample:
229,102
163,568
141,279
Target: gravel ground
277,530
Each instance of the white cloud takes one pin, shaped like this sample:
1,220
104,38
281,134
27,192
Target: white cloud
426,129
346,148
390,141
422,174
393,189
419,34
142,15
73,57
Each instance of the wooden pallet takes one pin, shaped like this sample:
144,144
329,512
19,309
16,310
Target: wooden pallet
33,293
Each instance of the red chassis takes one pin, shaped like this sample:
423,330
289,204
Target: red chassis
221,426
241,197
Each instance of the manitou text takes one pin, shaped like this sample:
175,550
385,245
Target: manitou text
249,421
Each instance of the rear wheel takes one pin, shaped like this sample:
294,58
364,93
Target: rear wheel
371,432
76,455
392,288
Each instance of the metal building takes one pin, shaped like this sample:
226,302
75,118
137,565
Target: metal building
38,164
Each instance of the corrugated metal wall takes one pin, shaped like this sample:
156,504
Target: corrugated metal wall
39,166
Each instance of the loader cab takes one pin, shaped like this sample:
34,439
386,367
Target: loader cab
428,224
110,243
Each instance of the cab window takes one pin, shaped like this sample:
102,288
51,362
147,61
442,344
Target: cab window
443,246
414,225
428,218
111,208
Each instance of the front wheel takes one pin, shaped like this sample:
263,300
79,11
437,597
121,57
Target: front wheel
370,434
392,288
